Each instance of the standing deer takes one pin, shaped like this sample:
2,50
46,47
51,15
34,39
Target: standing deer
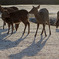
16,17
42,17
10,9
57,22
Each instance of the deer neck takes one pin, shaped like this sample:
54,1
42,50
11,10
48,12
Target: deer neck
37,16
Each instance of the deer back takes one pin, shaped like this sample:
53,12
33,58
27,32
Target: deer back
17,16
10,9
20,15
43,14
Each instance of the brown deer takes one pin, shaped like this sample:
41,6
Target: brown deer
16,17
57,22
42,17
10,9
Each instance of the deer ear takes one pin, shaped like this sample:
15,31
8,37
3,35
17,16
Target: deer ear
38,6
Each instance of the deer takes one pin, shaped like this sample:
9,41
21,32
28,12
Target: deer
42,17
57,22
15,18
10,9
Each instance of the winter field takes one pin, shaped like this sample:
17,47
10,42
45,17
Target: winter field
27,47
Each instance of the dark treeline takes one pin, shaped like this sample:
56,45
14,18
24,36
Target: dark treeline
8,2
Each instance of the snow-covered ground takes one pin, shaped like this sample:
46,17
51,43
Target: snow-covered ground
27,47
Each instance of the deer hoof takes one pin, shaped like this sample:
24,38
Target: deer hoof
11,33
28,32
41,34
3,27
50,33
35,36
45,35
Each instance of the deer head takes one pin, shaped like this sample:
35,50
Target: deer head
5,14
34,9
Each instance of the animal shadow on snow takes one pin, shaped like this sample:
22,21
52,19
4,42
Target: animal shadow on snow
31,50
7,43
2,35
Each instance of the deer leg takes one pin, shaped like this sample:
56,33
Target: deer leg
12,29
44,30
16,26
28,27
37,30
49,28
24,29
8,28
4,24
